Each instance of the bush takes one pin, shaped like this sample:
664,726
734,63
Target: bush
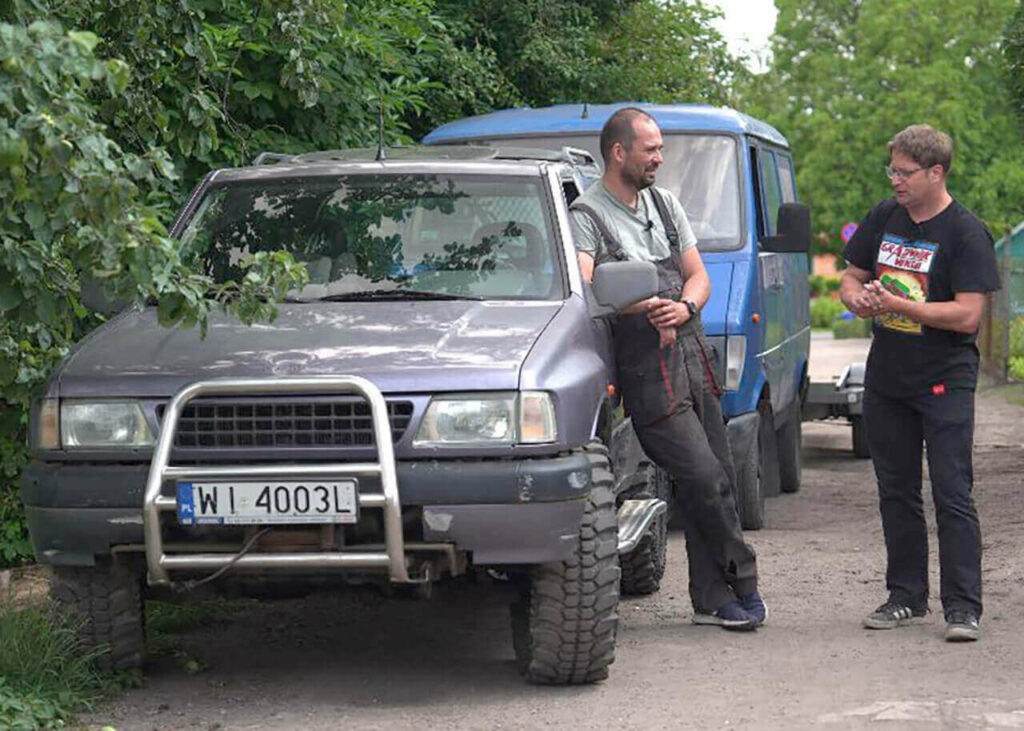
847,325
44,679
824,311
823,286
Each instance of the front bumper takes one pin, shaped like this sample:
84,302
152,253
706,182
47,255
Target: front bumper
503,511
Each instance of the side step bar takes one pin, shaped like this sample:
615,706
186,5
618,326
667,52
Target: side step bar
635,516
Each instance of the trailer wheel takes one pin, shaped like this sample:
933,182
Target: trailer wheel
860,438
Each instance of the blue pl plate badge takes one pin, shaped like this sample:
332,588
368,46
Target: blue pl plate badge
186,508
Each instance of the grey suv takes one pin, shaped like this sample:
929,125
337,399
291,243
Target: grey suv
440,399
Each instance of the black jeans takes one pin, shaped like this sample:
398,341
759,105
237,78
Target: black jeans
692,445
896,430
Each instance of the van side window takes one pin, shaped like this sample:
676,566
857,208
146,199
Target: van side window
771,190
755,172
786,179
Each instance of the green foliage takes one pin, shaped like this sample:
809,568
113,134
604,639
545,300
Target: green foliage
822,285
44,679
853,327
824,311
1017,348
847,76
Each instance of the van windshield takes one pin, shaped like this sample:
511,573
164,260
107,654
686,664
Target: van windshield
699,168
386,236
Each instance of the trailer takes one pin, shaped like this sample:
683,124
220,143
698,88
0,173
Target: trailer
840,399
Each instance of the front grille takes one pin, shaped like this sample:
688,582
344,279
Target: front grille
282,423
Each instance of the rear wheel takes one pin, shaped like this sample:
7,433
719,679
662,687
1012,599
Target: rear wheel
105,604
860,438
565,622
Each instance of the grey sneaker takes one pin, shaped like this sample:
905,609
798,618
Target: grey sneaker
894,614
962,626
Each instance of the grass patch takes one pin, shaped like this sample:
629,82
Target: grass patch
44,678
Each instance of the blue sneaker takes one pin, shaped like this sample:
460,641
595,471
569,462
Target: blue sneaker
754,605
729,616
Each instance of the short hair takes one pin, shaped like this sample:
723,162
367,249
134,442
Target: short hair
619,128
925,145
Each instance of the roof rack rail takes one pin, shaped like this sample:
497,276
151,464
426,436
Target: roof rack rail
578,156
273,156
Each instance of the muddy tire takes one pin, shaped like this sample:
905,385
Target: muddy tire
105,604
644,566
564,625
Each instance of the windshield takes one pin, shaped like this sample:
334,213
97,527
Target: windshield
699,168
386,235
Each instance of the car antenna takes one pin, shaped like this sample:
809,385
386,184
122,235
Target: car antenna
380,131
586,111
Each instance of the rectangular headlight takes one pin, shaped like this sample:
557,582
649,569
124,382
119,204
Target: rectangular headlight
735,355
488,420
97,424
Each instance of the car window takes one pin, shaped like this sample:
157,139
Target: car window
786,178
457,235
699,168
770,187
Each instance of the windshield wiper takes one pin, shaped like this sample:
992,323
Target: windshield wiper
393,294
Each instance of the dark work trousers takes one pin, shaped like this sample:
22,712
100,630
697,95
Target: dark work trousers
896,430
691,444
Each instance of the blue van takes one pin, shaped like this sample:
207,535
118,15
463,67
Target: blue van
734,176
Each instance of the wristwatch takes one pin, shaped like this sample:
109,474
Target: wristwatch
691,306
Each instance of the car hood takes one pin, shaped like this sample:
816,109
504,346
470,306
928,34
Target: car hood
400,346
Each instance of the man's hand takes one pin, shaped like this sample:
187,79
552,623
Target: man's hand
867,303
666,313
666,337
885,300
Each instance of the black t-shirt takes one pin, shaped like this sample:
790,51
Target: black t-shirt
928,261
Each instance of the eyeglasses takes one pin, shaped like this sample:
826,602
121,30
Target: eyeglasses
892,173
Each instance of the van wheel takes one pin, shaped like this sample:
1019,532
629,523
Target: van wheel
105,604
644,566
860,438
749,492
790,440
565,622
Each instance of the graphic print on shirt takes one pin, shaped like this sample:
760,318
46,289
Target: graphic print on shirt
903,268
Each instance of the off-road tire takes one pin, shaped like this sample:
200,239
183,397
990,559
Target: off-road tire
104,603
644,566
564,625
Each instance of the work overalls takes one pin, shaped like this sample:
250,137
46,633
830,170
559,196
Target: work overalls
673,399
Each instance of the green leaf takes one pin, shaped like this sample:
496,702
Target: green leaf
10,295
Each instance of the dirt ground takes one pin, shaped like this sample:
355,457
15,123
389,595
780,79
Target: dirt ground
358,661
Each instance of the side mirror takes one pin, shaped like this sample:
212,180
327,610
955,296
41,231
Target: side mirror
793,232
618,284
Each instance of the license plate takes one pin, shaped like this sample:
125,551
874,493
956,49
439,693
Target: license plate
233,503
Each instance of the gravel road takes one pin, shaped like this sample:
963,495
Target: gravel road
356,660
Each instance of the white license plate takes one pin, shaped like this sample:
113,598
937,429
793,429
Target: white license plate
232,503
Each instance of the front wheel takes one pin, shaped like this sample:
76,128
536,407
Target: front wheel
749,487
860,438
565,623
790,440
105,604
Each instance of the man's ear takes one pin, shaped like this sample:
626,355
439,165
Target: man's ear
618,153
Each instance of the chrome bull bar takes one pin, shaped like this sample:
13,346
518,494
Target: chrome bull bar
635,516
392,558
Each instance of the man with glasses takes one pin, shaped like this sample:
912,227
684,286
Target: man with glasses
920,264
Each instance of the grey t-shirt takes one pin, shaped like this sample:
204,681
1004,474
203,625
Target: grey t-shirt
640,240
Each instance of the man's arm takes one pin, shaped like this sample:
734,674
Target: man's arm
860,301
696,287
962,314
